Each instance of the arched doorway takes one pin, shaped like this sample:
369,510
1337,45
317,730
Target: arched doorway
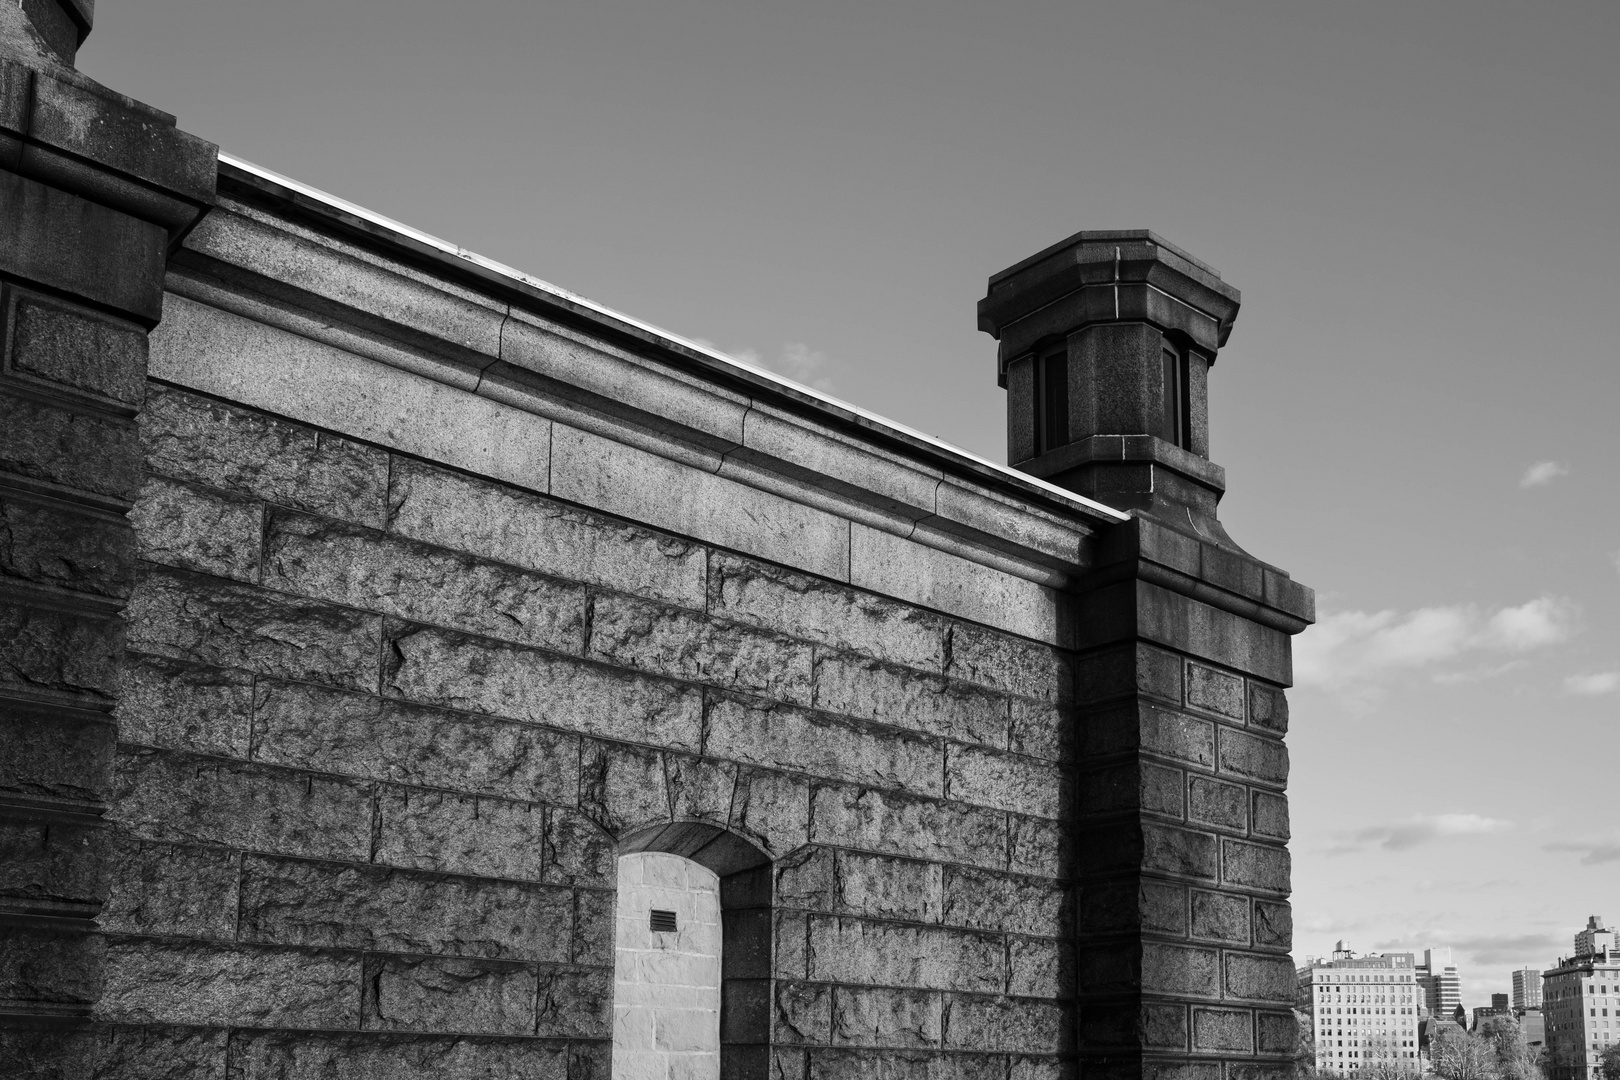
692,955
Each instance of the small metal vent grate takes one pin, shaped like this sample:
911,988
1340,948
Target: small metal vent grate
663,922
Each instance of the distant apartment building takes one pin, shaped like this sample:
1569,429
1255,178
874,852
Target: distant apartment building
1363,1011
1581,1002
1526,989
1497,1007
1442,990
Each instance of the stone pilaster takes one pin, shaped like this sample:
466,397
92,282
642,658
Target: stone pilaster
95,190
1183,928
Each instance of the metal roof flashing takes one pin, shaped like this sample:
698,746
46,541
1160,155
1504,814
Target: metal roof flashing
841,413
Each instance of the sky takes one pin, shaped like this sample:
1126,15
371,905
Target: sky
1416,409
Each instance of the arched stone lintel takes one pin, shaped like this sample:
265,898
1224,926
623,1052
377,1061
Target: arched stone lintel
705,843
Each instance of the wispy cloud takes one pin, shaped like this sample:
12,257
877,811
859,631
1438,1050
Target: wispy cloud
1543,473
1416,831
1485,949
798,362
1352,652
1592,852
1594,685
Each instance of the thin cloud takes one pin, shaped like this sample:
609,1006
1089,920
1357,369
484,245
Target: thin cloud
1353,652
1543,473
1418,830
1594,685
796,361
1592,853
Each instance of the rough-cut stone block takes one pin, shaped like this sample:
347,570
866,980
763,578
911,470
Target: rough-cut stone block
1040,968
59,652
772,809
46,753
264,366
1223,1030
1128,670
1131,786
181,706
665,494
1178,851
1142,725
1042,731
1040,847
622,787
782,737
168,890
890,1064
999,1023
1220,917
871,1016
191,983
887,888
1255,866
1008,782
901,825
802,1012
825,612
73,347
575,1004
1214,803
355,567
1004,902
50,967
577,850
931,578
1268,707
1270,815
1259,978
313,727
686,645
515,527
437,667
319,1055
848,950
88,451
1278,1032
1013,665
176,797
286,902
1116,906
595,913
700,789
225,446
1172,969
1215,691
69,547
193,528
459,834
53,864
902,698
481,997
1253,757
188,617
1273,924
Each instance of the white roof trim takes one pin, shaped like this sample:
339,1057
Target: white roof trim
455,251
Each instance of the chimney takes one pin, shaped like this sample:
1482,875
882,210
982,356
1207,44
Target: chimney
1107,339
47,29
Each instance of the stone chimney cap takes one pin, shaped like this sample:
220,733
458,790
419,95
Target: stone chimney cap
1105,257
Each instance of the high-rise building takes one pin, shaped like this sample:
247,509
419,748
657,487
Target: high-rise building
1362,1011
1581,999
1527,989
1442,991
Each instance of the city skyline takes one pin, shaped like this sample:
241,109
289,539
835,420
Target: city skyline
1413,411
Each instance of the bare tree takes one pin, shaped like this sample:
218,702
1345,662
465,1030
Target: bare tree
1462,1055
1609,1063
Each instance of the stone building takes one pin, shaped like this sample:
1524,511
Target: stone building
1362,1011
1581,999
410,668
